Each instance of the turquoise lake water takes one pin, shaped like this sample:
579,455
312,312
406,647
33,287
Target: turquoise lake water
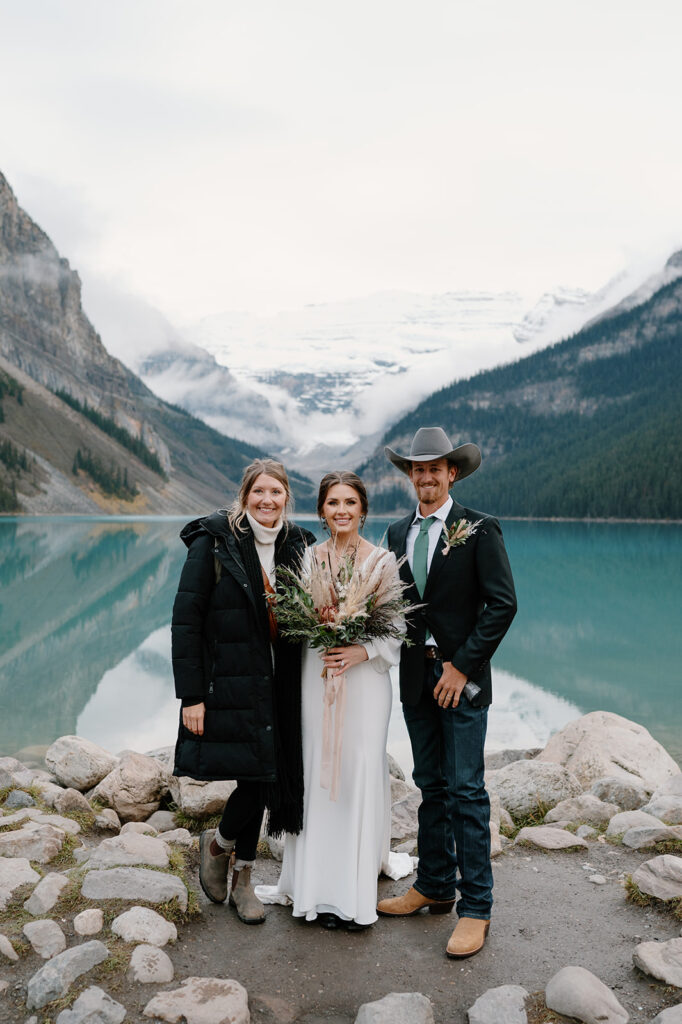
85,609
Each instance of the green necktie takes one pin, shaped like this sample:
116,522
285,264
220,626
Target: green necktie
420,558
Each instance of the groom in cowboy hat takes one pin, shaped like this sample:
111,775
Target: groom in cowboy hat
457,570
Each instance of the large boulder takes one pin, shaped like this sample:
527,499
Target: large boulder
14,872
576,992
134,788
506,1003
128,849
202,1001
36,842
585,808
605,744
397,1008
525,787
628,795
625,820
662,960
58,975
78,763
199,799
93,1006
134,884
546,837
660,877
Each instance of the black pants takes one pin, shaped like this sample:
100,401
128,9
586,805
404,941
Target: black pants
242,818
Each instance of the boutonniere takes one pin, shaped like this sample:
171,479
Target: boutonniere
459,533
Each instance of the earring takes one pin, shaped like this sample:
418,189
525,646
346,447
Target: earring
363,520
324,524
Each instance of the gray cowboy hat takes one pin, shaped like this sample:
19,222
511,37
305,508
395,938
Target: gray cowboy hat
431,443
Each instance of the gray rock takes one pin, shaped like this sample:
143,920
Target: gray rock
660,877
4,985
70,801
7,949
39,817
673,1015
200,799
399,789
597,879
667,808
11,765
49,792
500,758
603,744
629,796
127,849
585,808
496,845
202,1001
397,1008
141,924
404,817
523,786
585,831
89,922
150,965
639,838
45,894
577,992
162,821
143,828
58,975
164,755
134,787
506,1003
672,786
78,763
6,779
662,960
134,884
548,838
34,842
183,837
14,872
46,937
621,823
394,768
108,820
17,798
93,1006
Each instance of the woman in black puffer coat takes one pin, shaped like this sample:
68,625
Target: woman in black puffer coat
240,683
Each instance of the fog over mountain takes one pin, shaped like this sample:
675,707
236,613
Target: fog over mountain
319,385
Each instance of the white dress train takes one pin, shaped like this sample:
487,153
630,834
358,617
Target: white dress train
332,866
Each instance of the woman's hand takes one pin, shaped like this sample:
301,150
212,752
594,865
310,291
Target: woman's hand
193,718
338,660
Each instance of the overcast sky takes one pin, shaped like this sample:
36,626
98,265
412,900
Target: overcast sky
217,155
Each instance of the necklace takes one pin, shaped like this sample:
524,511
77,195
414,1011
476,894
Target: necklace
343,559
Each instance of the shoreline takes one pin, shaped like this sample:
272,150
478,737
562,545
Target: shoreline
311,517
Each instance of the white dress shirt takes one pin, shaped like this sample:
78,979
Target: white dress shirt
435,536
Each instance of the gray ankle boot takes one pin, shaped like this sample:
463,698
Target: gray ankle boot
213,869
249,908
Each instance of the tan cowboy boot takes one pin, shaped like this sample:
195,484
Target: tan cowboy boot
249,908
213,868
468,938
411,902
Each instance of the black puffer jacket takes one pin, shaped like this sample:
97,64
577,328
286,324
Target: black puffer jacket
221,650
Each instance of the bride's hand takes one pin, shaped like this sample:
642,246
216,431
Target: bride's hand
338,660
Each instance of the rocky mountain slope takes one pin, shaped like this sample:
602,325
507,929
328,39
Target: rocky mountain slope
79,432
589,427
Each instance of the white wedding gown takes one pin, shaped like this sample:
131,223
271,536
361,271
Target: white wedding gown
333,864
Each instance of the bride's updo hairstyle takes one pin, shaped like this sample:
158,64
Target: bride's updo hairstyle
343,476
236,513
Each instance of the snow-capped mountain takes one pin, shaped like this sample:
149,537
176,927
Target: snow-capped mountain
321,384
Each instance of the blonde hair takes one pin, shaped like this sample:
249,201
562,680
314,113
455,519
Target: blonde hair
236,513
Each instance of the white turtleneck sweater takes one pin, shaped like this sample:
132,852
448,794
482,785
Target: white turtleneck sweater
265,537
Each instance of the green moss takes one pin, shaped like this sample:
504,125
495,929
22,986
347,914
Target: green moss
534,817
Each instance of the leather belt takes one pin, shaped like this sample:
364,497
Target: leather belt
432,653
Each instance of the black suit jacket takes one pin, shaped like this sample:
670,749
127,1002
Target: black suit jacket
468,604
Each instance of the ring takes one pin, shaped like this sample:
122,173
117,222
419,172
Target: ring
343,664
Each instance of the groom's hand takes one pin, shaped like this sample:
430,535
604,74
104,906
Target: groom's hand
449,686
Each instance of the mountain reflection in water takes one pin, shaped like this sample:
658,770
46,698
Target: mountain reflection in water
85,609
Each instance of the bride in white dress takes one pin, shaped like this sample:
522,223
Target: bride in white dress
330,870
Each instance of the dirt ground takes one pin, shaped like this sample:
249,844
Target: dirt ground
547,915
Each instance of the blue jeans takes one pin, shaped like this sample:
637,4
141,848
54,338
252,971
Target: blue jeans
454,816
